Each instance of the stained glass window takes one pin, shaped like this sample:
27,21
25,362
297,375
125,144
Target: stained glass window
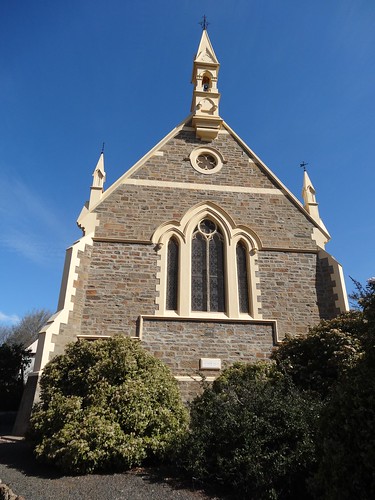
207,284
216,282
199,273
172,274
243,290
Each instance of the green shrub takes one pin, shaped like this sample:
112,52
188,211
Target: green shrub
253,432
106,405
316,361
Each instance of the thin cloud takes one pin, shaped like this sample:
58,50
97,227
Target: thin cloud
30,227
18,201
33,247
9,318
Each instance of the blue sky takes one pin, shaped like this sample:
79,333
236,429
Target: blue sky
297,81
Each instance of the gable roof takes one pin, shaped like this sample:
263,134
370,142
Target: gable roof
173,133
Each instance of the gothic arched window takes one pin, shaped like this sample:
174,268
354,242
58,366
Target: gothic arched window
207,268
207,262
172,274
242,277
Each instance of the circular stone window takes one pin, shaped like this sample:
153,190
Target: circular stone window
206,160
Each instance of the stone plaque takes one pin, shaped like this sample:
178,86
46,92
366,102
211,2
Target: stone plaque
210,364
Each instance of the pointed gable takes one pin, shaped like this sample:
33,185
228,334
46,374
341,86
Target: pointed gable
170,177
205,51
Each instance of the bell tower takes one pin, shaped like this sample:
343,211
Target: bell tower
206,97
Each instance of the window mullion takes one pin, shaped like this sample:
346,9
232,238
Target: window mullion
208,274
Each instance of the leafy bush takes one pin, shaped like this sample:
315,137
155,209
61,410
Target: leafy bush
253,431
347,437
316,361
106,405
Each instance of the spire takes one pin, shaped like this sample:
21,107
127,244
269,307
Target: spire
310,204
309,199
206,97
98,181
205,52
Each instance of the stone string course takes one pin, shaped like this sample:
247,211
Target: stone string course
277,223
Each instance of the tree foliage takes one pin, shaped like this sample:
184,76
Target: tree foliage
106,405
14,359
253,432
25,332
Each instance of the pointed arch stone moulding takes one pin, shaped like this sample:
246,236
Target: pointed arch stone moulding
182,233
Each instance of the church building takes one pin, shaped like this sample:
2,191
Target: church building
198,251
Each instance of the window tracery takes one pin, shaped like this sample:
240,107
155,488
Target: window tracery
207,283
208,267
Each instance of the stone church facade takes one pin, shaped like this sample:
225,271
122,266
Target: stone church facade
198,251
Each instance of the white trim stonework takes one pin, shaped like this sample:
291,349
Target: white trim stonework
206,187
45,345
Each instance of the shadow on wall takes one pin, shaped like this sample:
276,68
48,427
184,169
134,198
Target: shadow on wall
326,287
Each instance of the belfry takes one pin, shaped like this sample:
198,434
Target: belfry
198,251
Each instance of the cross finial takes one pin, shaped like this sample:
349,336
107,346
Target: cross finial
303,165
102,151
204,23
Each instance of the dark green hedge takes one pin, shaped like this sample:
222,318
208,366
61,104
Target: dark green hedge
253,432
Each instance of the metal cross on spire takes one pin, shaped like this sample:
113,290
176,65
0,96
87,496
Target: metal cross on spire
102,151
303,165
204,23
